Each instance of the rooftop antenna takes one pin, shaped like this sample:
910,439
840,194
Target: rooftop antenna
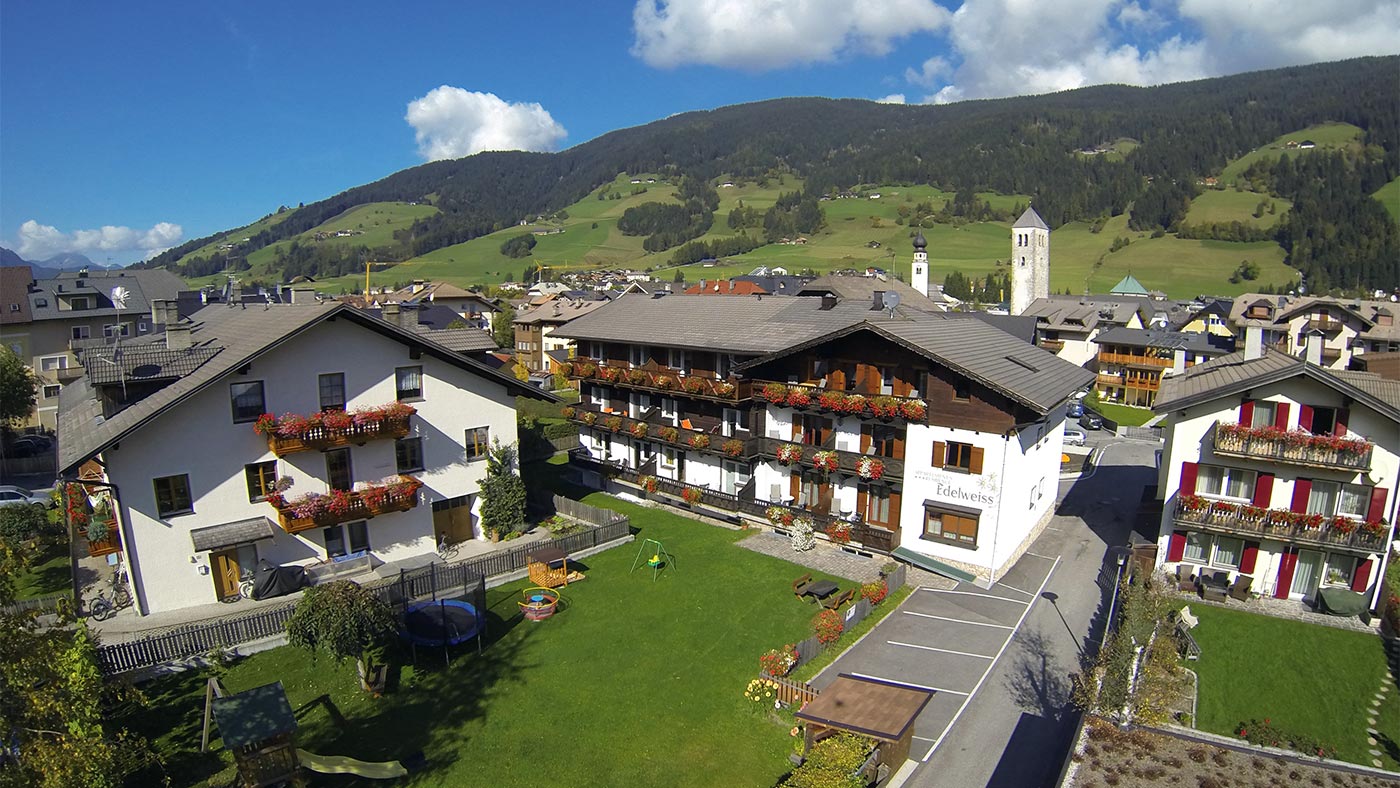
890,301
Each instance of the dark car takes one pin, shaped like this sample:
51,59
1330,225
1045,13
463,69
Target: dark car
1075,410
29,446
1091,421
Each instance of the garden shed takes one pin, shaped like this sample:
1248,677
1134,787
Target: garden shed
258,727
881,710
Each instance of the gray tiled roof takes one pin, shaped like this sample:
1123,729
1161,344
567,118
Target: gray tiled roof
145,285
863,288
235,533
462,340
1031,219
1159,338
109,364
239,335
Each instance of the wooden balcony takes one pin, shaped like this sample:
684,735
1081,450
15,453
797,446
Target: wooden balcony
1110,380
1133,360
891,470
1284,526
738,446
320,437
807,396
361,505
106,546
1326,325
1293,447
1052,345
663,380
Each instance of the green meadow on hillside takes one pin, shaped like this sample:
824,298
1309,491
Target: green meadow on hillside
1389,194
1228,205
1328,136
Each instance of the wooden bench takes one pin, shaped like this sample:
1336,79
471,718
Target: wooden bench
799,586
1187,644
837,600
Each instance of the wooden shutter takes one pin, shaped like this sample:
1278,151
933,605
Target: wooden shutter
1376,511
1176,546
865,438
1246,413
795,486
1188,478
1362,578
1249,558
1340,429
1305,418
1281,415
1286,562
1263,490
1302,489
976,466
940,454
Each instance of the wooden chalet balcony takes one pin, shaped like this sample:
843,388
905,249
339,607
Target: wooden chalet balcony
1294,447
344,507
1110,380
709,442
1326,325
1133,360
662,379
1285,526
320,437
887,468
807,396
1052,345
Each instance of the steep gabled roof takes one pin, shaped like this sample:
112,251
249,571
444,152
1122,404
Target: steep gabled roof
1128,285
1030,219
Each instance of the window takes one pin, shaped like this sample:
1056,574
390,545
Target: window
885,441
1340,569
877,504
112,329
173,495
262,479
1324,421
478,442
409,382
959,456
81,332
51,363
51,391
1329,498
332,388
348,539
953,527
1197,548
79,302
1222,552
962,390
14,307
408,454
338,472
248,402
1263,414
1221,482
1227,552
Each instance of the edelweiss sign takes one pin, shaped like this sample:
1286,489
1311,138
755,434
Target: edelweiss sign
981,491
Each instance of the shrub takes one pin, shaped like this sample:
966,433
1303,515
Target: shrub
1266,733
875,592
832,763
22,523
778,661
692,494
502,492
827,626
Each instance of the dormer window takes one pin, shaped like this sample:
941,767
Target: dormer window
80,302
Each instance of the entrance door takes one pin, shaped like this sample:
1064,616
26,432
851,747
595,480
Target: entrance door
1306,574
226,573
453,518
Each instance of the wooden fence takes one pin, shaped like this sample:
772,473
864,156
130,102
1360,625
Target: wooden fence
188,640
789,692
43,465
43,604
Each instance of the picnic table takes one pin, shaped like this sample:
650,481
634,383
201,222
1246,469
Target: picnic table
821,589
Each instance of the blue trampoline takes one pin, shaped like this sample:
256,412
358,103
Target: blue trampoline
444,622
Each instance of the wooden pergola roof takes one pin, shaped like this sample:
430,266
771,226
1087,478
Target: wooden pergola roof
870,707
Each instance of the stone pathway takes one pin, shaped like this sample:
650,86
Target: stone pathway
1388,684
834,561
1287,608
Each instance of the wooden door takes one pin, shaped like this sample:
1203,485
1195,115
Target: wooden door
226,573
456,521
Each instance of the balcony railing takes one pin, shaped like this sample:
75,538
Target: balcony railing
1293,446
1052,345
320,511
1134,360
319,437
1128,381
866,466
1324,324
806,396
663,380
1285,526
736,446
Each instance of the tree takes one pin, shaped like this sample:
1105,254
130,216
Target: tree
521,372
343,620
503,326
502,492
21,523
17,388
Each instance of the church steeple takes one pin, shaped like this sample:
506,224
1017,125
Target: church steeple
919,280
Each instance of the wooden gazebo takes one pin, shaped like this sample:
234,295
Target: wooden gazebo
548,566
258,727
881,710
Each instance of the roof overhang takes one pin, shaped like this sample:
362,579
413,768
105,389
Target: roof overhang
238,532
1302,368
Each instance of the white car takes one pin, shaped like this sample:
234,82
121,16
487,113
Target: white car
1074,437
12,495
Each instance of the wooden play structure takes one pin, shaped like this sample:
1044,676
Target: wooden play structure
880,710
549,568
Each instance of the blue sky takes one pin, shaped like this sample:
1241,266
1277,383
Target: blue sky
129,127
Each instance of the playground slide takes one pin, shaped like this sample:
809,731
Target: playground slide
340,764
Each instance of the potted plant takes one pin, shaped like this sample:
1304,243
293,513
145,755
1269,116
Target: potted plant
839,532
609,374
636,377
778,661
775,393
733,447
1192,503
802,538
699,441
913,409
875,592
870,468
789,453
779,515
724,388
832,400
665,382
638,429
692,495
668,434
613,423
854,404
649,484
292,425
375,496
310,505
692,385
1343,525
827,626
885,408
566,369
586,369
266,425
337,420
1374,528
588,417
798,397
340,502
826,461
568,411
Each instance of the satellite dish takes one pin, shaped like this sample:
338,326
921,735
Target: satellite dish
891,300
119,296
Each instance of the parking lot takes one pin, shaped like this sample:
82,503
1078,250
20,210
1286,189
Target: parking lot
946,641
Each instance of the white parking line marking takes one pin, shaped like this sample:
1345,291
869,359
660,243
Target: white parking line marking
991,664
974,593
1013,588
1046,557
939,650
957,620
908,684
921,738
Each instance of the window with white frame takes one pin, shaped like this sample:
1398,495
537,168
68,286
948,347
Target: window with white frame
51,363
1197,548
1340,569
1221,552
81,332
1263,414
113,329
1330,498
1221,482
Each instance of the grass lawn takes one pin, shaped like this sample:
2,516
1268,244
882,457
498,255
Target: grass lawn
1228,205
1125,415
1389,194
1328,136
1306,678
635,683
51,573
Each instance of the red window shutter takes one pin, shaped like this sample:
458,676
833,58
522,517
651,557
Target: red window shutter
1246,413
1302,490
1176,546
1305,414
1340,430
1281,415
1263,490
1188,478
1250,556
1285,572
1376,511
1362,578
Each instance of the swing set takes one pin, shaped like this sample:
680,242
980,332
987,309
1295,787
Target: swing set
660,559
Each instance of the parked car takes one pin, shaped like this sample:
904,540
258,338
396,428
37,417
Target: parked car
1091,421
1076,409
29,446
10,495
1074,437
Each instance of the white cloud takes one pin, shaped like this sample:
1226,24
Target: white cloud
449,123
1133,15
41,241
774,34
893,98
930,73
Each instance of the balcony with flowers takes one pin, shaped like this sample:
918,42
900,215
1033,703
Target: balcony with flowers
696,440
801,396
292,433
317,510
659,379
1297,447
1320,530
867,467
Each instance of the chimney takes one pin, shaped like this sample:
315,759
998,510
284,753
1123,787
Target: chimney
235,293
1178,361
828,301
165,312
878,300
303,295
408,316
177,336
390,313
417,286
1313,349
1253,342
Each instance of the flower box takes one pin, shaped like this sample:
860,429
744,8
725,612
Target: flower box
636,377
668,434
778,662
613,423
789,453
775,393
826,461
692,385
692,495
314,510
839,533
649,483
733,447
638,429
699,441
296,433
870,468
798,397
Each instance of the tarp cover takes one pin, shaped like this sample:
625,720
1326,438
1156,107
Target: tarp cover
270,580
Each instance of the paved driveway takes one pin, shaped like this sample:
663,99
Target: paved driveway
946,640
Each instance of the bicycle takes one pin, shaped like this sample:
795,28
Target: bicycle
104,606
446,550
245,591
